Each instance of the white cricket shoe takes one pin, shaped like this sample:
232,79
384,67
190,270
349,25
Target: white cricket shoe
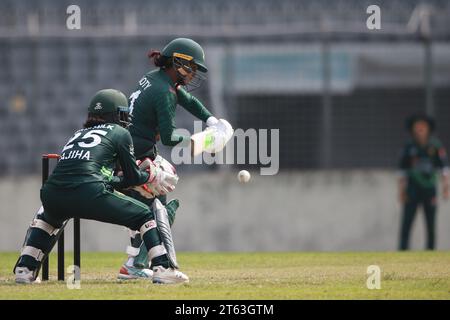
168,276
24,275
129,273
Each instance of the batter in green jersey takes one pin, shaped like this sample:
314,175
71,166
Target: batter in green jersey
82,185
153,103
152,111
181,67
421,159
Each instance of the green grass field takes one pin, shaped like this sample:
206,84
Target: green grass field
412,275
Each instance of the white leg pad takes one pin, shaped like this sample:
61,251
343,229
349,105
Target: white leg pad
156,251
149,225
32,251
132,233
132,251
41,224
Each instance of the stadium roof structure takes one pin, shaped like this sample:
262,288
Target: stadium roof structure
233,19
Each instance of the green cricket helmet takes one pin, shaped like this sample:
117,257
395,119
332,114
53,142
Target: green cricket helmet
110,104
186,49
187,57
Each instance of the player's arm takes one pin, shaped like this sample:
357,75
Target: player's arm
443,164
404,165
166,121
221,131
445,184
132,175
192,104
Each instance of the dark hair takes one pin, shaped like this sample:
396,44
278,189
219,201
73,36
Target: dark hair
411,120
160,60
94,119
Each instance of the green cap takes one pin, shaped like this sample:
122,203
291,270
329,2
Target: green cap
186,49
108,100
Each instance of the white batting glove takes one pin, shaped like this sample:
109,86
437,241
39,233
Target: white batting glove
222,132
211,121
225,128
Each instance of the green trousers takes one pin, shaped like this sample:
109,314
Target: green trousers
143,149
93,201
416,197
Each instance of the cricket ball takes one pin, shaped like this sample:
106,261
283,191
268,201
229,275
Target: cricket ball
243,176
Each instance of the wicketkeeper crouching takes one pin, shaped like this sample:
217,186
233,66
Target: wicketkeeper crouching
83,185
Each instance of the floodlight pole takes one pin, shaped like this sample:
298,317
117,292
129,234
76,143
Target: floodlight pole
423,15
326,145
428,72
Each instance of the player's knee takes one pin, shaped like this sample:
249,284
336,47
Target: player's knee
137,224
147,226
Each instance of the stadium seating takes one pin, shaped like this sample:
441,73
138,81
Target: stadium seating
56,75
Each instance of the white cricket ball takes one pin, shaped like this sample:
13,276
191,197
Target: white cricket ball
243,176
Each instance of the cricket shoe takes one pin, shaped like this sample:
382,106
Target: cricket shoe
168,276
129,273
25,276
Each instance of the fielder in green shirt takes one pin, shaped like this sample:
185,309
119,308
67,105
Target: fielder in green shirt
421,160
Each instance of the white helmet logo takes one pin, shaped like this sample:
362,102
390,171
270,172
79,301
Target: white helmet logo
98,106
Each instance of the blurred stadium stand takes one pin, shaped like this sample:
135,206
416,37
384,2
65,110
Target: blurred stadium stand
338,92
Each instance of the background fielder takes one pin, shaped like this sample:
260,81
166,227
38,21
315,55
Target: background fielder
421,159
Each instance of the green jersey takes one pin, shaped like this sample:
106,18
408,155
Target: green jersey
152,110
420,163
91,155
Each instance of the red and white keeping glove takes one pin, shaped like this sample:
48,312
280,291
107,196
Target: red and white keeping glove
162,177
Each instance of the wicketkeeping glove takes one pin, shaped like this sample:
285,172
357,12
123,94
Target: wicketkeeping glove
162,177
